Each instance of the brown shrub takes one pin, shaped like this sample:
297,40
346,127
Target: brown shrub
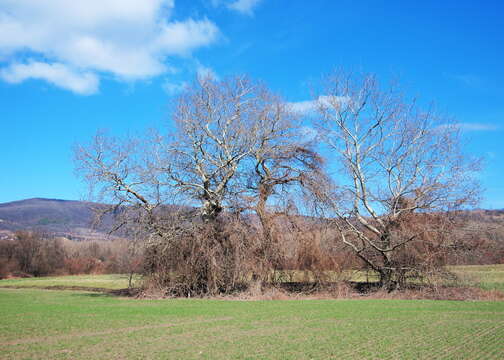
200,259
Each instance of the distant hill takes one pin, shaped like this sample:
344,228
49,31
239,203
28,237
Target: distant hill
74,219
66,218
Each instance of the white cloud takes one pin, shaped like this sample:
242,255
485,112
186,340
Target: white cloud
471,126
303,107
244,6
309,106
129,39
476,126
174,88
84,83
181,38
216,3
206,72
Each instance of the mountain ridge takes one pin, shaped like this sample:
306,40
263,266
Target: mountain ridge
72,219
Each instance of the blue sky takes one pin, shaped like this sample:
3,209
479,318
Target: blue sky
68,69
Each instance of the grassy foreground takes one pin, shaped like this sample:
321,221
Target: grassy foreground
41,324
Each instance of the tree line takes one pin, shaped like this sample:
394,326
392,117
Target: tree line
33,253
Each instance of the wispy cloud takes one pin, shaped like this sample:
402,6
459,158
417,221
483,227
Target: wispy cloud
309,106
174,87
128,39
475,126
303,107
491,155
206,72
244,6
242,49
470,80
79,82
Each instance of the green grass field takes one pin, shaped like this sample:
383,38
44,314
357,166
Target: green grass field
42,324
488,277
111,282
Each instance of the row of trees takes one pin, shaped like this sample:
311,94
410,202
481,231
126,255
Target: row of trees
35,254
242,184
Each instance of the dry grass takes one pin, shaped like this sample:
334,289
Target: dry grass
478,283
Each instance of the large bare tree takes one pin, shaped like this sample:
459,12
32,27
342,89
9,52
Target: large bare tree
231,140
399,172
214,135
196,163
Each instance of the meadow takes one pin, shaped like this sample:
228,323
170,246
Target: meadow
54,324
108,281
41,324
488,277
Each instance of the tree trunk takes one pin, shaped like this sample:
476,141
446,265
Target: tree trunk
266,246
386,279
210,211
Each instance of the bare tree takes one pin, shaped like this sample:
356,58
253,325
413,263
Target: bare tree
401,172
214,120
282,163
222,130
281,156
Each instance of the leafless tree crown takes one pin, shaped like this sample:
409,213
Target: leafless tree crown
394,160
